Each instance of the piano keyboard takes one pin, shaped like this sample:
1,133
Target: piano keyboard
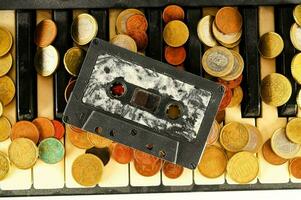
44,96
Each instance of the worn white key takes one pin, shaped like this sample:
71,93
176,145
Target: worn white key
269,122
185,179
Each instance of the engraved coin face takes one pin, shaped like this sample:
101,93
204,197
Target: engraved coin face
276,89
124,41
293,130
270,156
228,20
122,154
295,35
204,31
4,165
7,90
73,60
270,45
173,12
172,170
282,146
6,41
46,60
25,129
175,33
296,68
237,69
123,17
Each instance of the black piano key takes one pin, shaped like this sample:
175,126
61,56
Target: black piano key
63,41
251,103
26,81
193,45
154,32
283,21
102,18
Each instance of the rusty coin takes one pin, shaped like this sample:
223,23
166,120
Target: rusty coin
228,20
98,141
270,156
173,12
59,129
122,154
45,127
25,129
175,55
172,170
45,33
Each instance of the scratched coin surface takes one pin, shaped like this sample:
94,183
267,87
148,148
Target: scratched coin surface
45,33
124,41
295,167
296,68
243,167
7,90
5,128
218,61
73,60
23,153
293,129
295,35
4,165
6,63
51,150
270,156
25,129
46,60
6,41
276,89
204,31
270,45
237,69
282,146
175,33
228,20
172,170
136,22
79,139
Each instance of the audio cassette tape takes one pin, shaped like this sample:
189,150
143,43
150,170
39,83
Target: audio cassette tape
143,103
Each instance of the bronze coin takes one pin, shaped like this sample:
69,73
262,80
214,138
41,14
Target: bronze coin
228,20
270,156
45,33
173,12
231,84
148,169
25,129
140,38
175,55
79,139
295,167
172,170
45,127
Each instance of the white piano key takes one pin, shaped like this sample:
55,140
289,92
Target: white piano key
200,179
139,180
186,178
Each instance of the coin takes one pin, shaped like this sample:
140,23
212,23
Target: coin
140,38
7,90
226,39
5,128
87,169
295,167
230,46
59,129
4,165
295,35
234,137
45,127
122,154
297,14
298,99
6,63
102,153
98,141
237,95
204,30
173,12
255,139
80,139
237,69
296,68
73,60
6,41
231,84
220,116
172,170
270,156
218,61
282,146
25,129
175,55
293,128
51,150
23,153
243,167
270,45
276,89
136,22
45,33
213,162
230,154
123,17
1,108
69,89
124,41
145,158
226,100
46,60
228,20
214,133
175,33
148,169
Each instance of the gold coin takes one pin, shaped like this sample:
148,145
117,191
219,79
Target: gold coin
293,129
295,35
5,128
1,108
237,95
6,63
46,60
23,153
237,69
99,141
175,33
204,31
270,45
124,41
297,14
84,29
298,99
296,67
230,46
276,89
213,162
225,38
6,41
87,169
4,165
73,60
230,154
123,17
7,90
243,167
218,61
255,139
282,146
234,137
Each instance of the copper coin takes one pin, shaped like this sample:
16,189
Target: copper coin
148,169
231,84
173,12
80,139
136,23
69,89
144,158
75,129
59,129
45,33
175,55
172,170
270,156
228,20
226,99
25,129
295,167
98,141
220,116
140,38
45,127
122,154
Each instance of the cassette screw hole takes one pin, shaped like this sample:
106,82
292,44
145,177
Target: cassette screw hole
118,89
112,133
65,118
149,146
107,70
133,132
193,165
95,42
162,154
98,130
173,111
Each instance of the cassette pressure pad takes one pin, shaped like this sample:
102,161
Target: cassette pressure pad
143,103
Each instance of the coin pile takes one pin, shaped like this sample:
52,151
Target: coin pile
175,35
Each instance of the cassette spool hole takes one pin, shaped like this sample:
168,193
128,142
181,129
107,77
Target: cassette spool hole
118,89
173,111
